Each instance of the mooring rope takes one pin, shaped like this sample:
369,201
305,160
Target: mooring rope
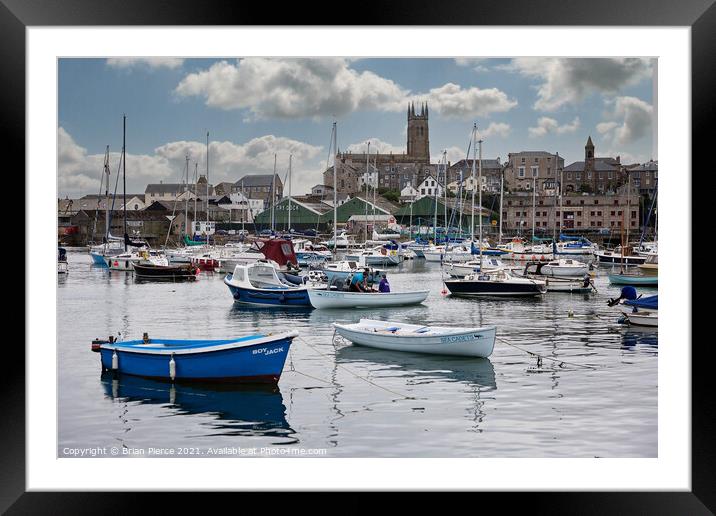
542,357
354,373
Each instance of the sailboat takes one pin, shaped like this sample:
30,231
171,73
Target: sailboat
111,246
496,282
624,277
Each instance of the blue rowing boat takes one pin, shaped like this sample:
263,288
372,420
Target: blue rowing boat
255,358
259,283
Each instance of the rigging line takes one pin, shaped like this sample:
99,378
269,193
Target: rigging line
353,373
561,362
166,240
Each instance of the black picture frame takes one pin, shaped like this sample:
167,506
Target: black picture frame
700,15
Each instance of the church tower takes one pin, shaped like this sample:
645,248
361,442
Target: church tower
418,139
589,151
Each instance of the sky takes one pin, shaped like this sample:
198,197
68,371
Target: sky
255,108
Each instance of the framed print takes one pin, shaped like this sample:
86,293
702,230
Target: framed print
420,255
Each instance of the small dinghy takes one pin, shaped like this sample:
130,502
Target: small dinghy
642,318
636,280
255,358
342,299
436,340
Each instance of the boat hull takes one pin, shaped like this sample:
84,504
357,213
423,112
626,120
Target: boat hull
462,288
471,342
618,259
638,281
161,272
270,297
342,299
259,362
643,318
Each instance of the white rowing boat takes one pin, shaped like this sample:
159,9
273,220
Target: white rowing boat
437,340
343,299
642,318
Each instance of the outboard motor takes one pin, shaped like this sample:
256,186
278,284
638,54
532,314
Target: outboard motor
628,293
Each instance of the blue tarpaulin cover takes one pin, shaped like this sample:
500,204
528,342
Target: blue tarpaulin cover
650,302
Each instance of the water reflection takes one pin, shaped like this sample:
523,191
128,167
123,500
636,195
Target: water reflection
640,336
477,372
238,410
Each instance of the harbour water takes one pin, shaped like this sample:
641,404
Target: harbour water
597,399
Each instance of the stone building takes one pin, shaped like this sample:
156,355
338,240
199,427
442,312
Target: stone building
597,175
491,174
260,186
580,212
393,171
526,169
176,191
644,177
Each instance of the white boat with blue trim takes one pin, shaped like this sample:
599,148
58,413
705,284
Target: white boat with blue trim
436,340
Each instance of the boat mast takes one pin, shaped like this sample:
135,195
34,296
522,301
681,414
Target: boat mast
554,203
437,181
124,175
479,183
186,201
207,188
534,204
374,189
196,192
273,194
335,189
472,176
627,209
106,196
246,201
290,158
367,161
502,179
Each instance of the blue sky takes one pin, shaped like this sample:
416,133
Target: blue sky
256,107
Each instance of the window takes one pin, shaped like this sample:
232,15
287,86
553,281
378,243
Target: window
591,213
589,175
535,171
578,176
579,223
612,213
522,171
581,201
633,214
535,160
523,160
619,212
596,201
599,223
569,175
599,214
569,202
610,175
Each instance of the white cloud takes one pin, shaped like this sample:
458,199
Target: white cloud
298,88
631,120
476,63
151,62
79,172
571,80
451,100
455,154
496,129
547,125
376,145
292,88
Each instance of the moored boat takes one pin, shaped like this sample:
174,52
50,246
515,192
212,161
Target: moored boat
440,340
495,283
565,267
638,280
260,284
257,358
324,298
62,261
148,270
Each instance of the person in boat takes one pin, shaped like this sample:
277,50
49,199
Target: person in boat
384,286
357,282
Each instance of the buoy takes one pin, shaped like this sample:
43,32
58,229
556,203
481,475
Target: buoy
444,291
570,313
115,360
172,367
